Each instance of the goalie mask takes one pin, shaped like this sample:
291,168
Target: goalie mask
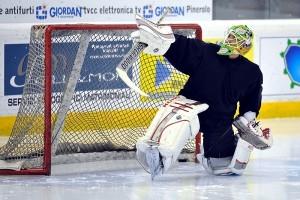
238,40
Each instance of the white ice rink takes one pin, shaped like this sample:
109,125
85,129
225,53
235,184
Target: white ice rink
272,174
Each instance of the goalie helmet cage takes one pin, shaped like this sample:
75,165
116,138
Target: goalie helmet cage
74,102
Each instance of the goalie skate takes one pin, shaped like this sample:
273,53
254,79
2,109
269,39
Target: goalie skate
252,133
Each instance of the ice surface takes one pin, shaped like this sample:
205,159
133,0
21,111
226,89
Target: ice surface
271,174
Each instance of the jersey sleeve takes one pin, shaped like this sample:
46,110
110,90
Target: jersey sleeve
185,54
251,101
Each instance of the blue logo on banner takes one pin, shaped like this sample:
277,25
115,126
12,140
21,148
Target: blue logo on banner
292,63
41,12
174,11
65,12
147,11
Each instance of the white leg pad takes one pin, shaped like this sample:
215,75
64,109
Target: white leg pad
241,156
228,165
174,124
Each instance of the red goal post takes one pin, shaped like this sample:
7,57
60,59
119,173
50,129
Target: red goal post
74,102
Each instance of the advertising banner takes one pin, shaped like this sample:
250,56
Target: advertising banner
105,11
98,70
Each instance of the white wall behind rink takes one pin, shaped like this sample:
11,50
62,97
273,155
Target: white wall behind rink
271,38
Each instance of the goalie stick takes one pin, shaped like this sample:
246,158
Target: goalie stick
129,58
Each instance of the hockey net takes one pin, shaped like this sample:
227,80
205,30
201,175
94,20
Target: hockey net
73,102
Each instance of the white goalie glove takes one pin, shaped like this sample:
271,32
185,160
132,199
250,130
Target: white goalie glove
173,125
158,37
251,131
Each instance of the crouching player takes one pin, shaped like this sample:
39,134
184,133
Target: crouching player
219,76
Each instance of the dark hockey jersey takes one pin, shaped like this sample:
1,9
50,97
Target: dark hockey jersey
220,82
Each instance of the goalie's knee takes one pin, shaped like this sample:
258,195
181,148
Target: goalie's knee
172,127
229,165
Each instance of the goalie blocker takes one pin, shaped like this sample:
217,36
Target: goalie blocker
174,124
